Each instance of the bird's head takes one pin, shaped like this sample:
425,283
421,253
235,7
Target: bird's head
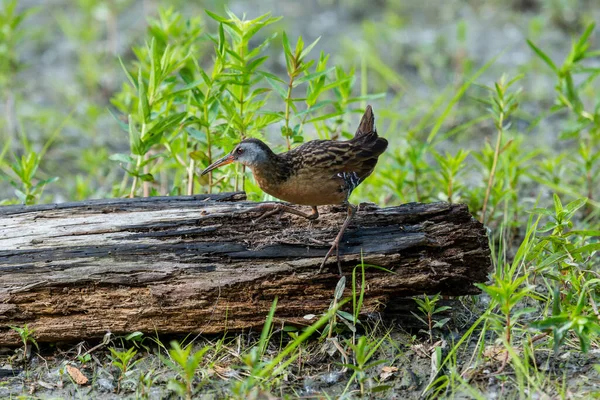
250,152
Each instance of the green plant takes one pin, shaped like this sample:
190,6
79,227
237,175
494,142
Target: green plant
347,319
26,336
180,110
451,166
502,104
428,306
574,78
12,34
123,360
145,383
566,262
24,169
197,85
262,373
84,359
186,364
363,351
507,292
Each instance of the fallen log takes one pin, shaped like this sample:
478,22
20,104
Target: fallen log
199,264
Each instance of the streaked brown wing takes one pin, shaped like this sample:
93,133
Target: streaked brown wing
335,157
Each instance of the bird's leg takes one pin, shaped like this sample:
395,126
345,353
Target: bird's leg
338,239
278,208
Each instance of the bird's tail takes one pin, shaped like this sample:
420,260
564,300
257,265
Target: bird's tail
366,134
367,123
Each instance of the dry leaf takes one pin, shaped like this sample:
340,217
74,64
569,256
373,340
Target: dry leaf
386,373
76,375
46,385
496,353
425,350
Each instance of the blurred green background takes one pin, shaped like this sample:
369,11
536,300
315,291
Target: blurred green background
60,69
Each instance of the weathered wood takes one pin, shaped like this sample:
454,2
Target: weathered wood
199,263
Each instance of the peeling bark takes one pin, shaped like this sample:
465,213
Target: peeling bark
199,264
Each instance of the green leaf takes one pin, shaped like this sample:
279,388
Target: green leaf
442,309
310,77
374,364
307,50
123,125
543,56
129,77
557,204
183,89
121,157
581,43
287,52
550,322
222,20
347,316
144,107
339,288
281,91
256,63
575,205
457,96
587,248
380,388
419,318
441,323
198,155
583,233
134,138
165,124
147,177
154,68
222,41
136,336
541,211
299,47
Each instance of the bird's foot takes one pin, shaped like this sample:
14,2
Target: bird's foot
272,209
279,208
335,246
336,243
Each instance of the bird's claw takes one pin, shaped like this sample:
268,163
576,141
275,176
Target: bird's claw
270,211
336,246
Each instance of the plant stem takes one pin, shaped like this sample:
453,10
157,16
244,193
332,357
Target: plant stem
288,100
145,184
430,327
416,183
190,186
208,144
135,178
494,164
242,92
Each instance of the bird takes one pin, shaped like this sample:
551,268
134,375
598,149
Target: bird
316,173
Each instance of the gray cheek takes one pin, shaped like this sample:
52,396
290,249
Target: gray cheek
248,160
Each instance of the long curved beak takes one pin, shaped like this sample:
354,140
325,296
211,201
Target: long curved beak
228,159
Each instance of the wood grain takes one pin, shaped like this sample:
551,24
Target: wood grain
199,264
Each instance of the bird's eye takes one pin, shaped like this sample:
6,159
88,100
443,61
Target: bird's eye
240,150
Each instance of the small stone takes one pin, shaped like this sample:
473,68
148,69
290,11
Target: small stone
105,385
331,377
